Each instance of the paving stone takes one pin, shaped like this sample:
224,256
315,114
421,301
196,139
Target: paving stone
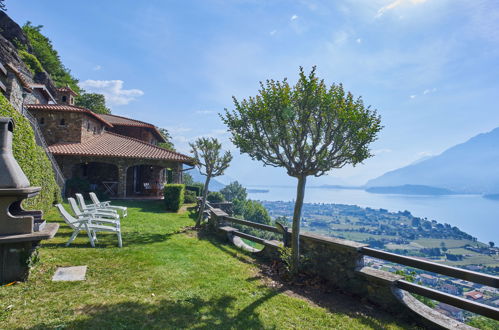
76,273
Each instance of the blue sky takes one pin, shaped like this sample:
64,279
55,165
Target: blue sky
430,67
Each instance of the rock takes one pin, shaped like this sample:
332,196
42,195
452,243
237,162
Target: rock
11,31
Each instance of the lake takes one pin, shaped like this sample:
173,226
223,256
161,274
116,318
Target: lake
472,214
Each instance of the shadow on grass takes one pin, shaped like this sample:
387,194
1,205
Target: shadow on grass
195,312
326,297
110,239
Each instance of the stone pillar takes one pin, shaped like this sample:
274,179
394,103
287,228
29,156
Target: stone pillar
122,169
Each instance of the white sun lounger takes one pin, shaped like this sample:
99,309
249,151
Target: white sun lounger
107,205
90,225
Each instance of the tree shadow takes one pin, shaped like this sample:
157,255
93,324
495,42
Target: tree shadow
106,240
192,313
321,294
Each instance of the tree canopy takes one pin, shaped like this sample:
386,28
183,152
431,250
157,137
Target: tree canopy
234,191
93,101
44,51
168,145
308,128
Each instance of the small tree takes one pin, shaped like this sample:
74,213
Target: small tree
207,153
234,191
308,129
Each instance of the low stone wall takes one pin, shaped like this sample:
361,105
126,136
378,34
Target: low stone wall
340,263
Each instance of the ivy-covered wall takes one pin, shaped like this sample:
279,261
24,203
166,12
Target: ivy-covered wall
32,159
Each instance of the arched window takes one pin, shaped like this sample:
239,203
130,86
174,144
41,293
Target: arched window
62,122
64,98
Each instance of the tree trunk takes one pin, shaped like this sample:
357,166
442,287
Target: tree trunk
201,208
295,238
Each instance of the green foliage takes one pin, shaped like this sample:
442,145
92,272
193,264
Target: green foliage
215,197
233,191
309,129
211,163
189,196
77,185
174,196
93,101
31,61
48,57
32,159
188,180
168,145
483,323
196,187
208,158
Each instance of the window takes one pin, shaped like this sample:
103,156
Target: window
62,122
88,125
42,121
94,130
64,98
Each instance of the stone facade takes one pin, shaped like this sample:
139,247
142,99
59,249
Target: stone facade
60,126
141,133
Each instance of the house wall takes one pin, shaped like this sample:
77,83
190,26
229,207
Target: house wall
141,133
53,131
90,127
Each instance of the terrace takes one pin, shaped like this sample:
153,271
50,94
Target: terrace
166,276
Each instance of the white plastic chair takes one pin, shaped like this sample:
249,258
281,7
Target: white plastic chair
89,225
91,207
92,213
107,205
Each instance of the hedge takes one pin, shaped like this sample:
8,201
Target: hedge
190,197
32,159
174,196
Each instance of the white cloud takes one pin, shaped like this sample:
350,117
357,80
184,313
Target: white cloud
395,4
412,96
273,32
381,151
428,91
294,17
204,112
112,90
97,67
359,40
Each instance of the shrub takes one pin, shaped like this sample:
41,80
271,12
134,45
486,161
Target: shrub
215,197
190,197
31,61
174,196
32,159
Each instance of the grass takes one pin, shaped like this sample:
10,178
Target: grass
163,277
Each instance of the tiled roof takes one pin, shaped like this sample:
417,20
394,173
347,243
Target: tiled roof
67,108
123,121
19,76
114,145
66,89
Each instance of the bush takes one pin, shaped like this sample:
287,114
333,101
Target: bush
215,197
32,159
190,197
196,189
31,61
174,196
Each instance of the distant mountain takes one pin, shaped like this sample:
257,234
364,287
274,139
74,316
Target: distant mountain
198,177
409,189
470,167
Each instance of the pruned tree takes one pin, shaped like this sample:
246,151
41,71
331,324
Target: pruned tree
309,129
211,163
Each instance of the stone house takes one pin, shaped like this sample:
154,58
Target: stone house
114,154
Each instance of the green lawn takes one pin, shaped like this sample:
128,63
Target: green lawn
163,277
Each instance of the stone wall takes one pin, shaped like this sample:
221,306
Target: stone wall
59,126
140,133
90,127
